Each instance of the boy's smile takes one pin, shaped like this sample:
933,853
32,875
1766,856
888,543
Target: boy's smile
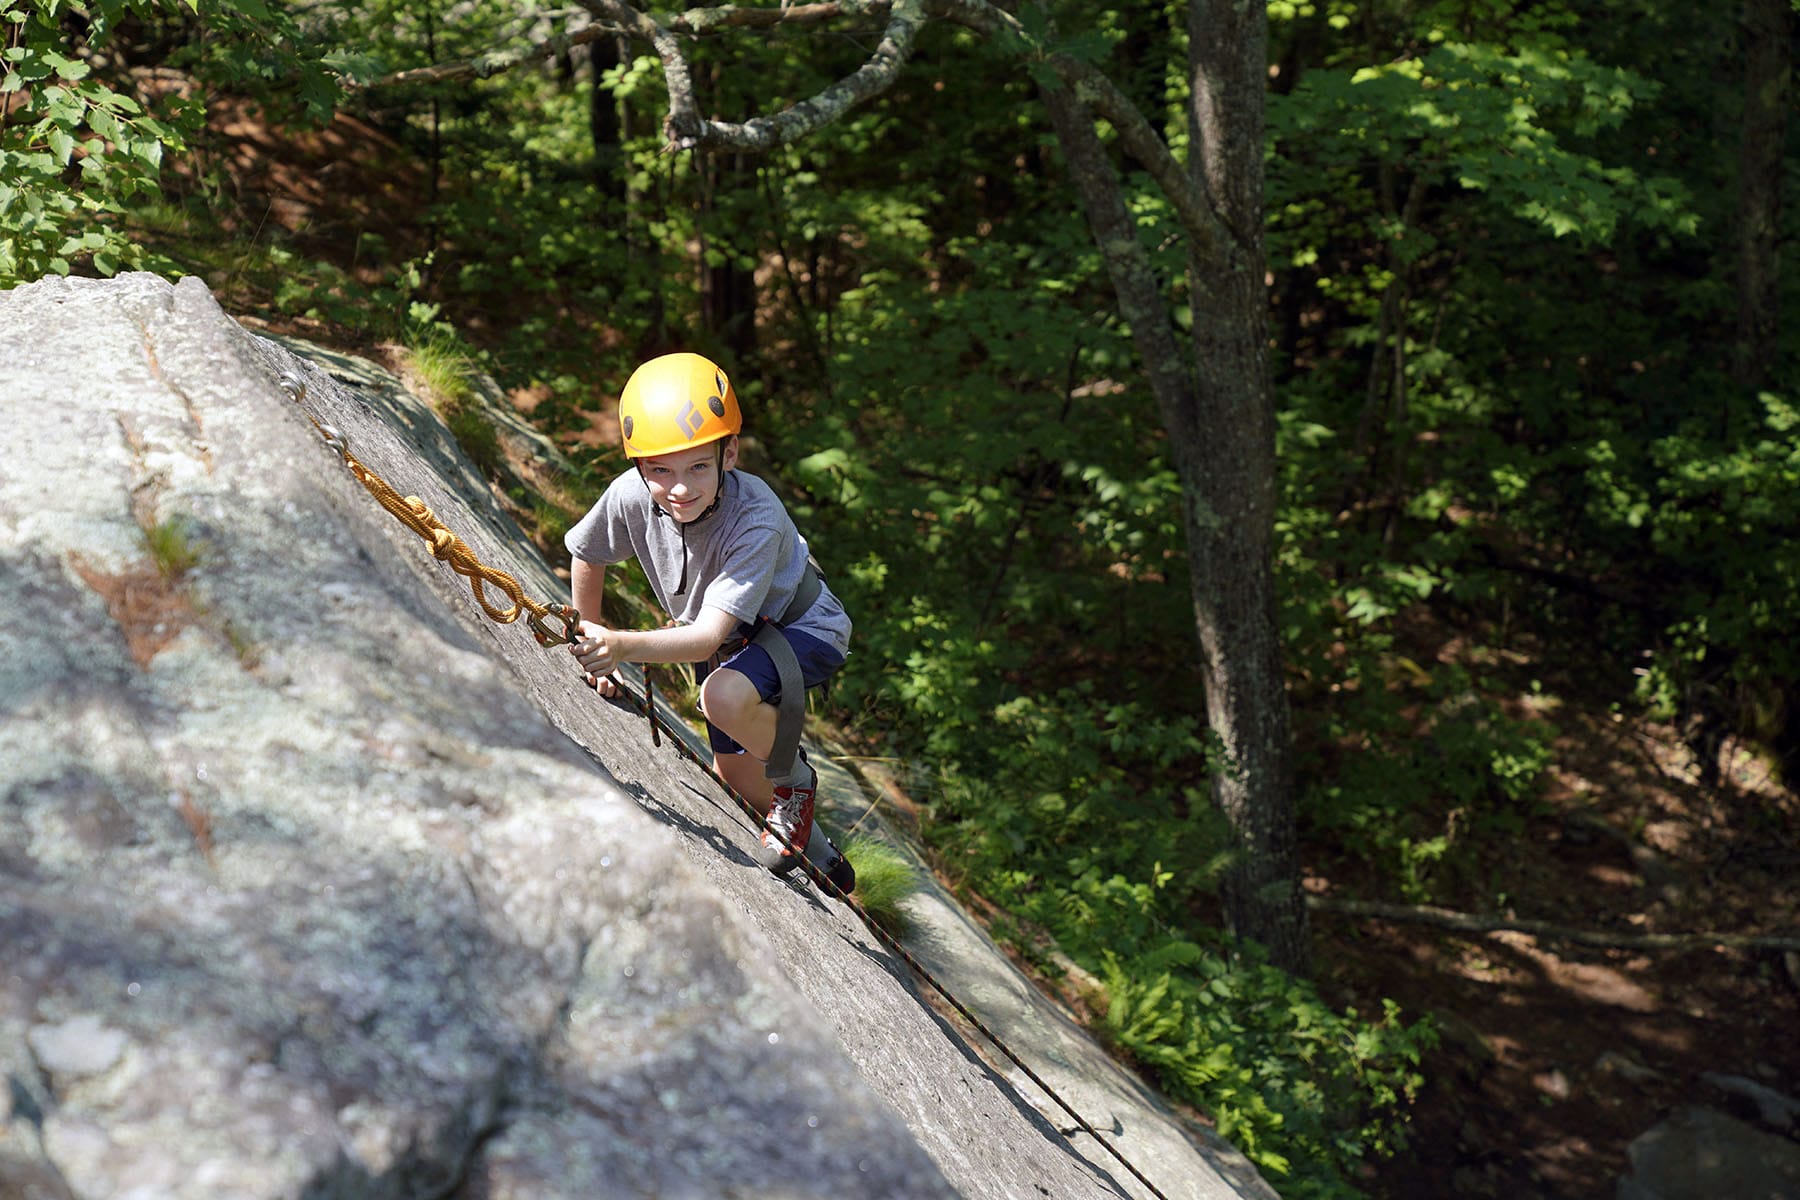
686,483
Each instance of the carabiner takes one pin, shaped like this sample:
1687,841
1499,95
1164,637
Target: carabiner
548,637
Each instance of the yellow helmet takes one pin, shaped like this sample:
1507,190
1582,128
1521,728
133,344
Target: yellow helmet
676,402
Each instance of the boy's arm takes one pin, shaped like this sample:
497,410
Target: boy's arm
587,588
674,643
600,650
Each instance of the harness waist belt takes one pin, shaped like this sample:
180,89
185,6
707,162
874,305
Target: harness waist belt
808,591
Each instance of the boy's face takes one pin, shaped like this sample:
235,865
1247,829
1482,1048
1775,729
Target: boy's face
685,484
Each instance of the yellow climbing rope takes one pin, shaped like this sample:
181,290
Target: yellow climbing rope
445,545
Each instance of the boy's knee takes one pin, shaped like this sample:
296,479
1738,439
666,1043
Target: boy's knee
726,695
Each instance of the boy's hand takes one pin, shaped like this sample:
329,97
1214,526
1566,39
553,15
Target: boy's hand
594,650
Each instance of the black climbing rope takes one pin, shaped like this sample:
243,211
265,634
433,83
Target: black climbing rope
645,707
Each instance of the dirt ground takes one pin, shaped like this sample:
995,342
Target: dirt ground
1556,1055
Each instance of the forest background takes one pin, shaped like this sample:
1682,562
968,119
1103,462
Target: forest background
1535,462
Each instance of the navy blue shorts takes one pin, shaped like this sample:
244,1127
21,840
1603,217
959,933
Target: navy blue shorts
819,661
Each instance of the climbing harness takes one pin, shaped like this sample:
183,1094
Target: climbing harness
790,707
446,546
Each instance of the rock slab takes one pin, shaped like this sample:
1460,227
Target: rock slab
314,882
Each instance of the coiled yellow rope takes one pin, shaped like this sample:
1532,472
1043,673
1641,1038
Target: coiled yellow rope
445,545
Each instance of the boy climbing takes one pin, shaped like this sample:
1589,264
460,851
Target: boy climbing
729,567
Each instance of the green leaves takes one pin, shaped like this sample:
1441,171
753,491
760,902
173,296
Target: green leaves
1515,125
82,147
1300,1089
75,152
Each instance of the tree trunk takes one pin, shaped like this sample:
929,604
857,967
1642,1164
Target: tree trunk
606,126
1219,416
727,291
1768,63
1225,452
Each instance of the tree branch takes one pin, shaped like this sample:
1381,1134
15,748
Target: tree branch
687,130
1142,142
1458,922
1097,92
668,48
730,16
494,63
1133,275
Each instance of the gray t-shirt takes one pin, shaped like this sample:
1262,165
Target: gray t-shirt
746,558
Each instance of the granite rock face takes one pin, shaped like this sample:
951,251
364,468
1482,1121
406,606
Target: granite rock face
315,882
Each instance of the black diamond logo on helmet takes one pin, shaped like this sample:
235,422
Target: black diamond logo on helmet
691,420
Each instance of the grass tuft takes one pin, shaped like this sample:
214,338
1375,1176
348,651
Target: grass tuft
173,552
442,368
478,438
441,364
551,520
884,878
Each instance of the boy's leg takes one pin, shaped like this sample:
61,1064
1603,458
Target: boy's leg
747,778
730,700
734,704
743,701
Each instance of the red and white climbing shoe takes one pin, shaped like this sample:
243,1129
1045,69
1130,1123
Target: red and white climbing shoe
790,816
